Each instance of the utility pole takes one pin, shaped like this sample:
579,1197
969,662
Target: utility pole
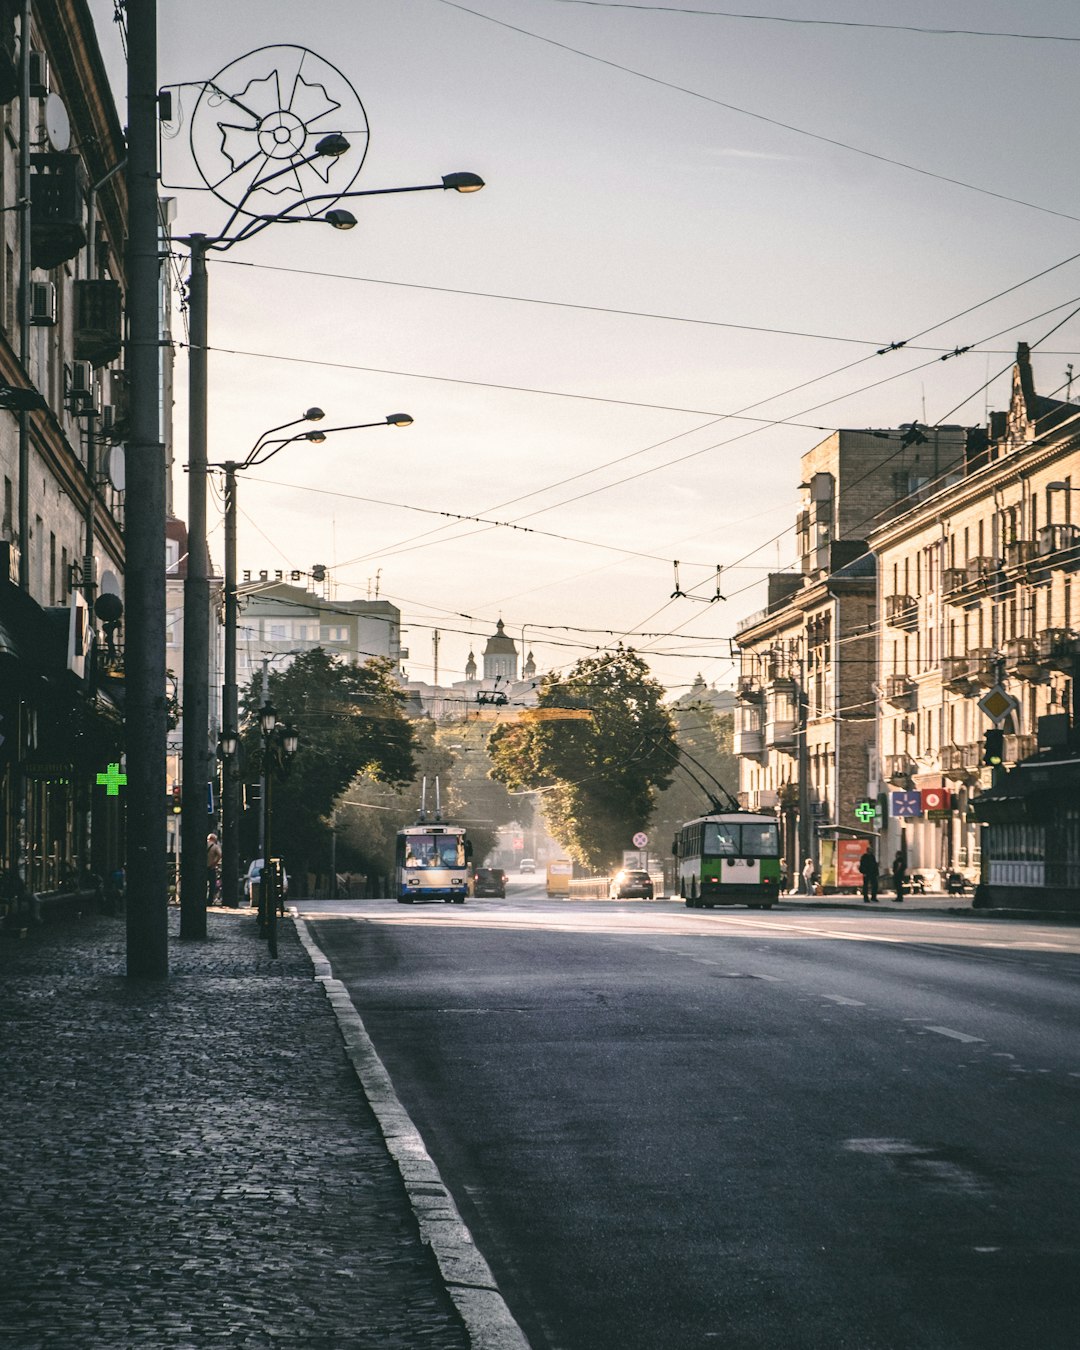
144,531
435,648
196,713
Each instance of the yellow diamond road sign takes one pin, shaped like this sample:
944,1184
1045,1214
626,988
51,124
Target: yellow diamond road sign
997,704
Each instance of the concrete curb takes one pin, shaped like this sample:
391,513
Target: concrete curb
488,1322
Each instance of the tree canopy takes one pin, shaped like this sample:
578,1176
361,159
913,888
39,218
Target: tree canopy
599,777
350,720
369,814
705,741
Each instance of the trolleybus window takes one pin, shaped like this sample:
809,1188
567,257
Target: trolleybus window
760,841
440,850
721,838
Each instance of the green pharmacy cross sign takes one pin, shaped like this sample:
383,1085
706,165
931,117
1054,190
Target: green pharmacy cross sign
866,812
112,780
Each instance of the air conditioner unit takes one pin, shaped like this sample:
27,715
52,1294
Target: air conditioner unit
84,393
43,304
39,75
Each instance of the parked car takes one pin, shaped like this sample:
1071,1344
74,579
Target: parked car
254,874
527,865
490,881
630,884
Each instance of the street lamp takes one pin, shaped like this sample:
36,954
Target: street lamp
264,449
280,743
196,625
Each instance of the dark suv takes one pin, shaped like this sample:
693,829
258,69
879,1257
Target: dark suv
627,885
490,881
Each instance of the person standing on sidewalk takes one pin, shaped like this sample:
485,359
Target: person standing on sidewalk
808,876
213,862
868,866
898,870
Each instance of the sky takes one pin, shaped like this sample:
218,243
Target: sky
691,220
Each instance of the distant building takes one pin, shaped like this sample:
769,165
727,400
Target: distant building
280,620
500,690
500,656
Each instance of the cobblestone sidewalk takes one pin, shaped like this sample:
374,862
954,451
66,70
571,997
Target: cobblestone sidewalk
191,1162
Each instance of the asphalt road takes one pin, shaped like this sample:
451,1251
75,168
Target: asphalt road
672,1129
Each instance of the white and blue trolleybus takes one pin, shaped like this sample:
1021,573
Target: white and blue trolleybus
434,861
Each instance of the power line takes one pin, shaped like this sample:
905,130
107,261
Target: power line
823,23
759,117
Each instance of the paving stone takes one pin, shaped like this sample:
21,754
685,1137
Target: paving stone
191,1162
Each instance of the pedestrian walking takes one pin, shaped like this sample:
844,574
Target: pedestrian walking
898,870
808,876
868,866
213,862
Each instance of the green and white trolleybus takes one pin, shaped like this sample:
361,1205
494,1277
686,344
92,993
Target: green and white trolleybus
729,858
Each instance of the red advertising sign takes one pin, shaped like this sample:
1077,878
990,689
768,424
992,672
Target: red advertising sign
848,853
936,799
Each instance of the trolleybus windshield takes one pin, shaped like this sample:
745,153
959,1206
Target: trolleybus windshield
434,850
726,839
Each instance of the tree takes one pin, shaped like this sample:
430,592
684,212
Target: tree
369,814
705,742
599,776
351,720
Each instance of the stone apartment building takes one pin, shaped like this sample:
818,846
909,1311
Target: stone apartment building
62,410
979,591
805,720
279,618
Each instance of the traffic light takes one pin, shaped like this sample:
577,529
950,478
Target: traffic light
993,747
174,795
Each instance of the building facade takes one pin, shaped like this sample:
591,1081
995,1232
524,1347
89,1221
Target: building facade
805,720
938,600
62,416
978,614
279,620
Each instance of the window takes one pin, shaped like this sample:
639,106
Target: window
337,632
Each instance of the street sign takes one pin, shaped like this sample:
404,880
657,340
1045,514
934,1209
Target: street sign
997,704
936,799
906,804
640,839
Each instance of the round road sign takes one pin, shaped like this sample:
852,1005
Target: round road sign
640,839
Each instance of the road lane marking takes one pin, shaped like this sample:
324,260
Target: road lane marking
956,1035
844,1001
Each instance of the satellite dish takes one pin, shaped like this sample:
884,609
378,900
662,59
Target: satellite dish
117,470
57,125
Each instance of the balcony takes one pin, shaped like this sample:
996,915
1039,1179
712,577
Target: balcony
961,762
983,666
1020,747
748,688
1059,648
900,691
953,581
957,674
780,735
982,570
749,744
1022,659
902,611
1056,539
899,769
1019,552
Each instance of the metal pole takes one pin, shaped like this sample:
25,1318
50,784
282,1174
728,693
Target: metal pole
24,295
195,775
264,776
145,719
230,719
